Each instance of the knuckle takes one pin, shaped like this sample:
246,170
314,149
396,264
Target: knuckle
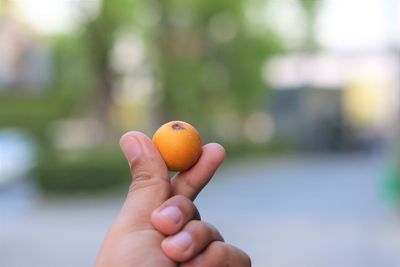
246,260
190,184
186,205
144,179
213,232
142,175
238,256
241,257
209,228
203,231
216,255
196,227
220,249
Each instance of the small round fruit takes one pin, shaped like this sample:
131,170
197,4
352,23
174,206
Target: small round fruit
179,144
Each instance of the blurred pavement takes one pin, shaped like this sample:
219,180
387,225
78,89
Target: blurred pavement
301,211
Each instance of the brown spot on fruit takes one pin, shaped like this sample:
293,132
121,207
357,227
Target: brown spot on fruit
177,126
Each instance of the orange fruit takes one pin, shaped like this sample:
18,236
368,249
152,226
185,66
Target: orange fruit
179,144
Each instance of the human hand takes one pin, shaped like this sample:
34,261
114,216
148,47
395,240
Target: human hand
191,242
137,238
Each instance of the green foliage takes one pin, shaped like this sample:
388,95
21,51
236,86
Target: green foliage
310,6
310,9
90,172
100,33
204,57
190,58
33,112
197,74
71,66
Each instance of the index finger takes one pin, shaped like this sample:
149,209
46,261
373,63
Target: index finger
189,183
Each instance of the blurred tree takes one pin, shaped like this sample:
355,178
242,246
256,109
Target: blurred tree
23,102
208,58
205,58
310,9
99,35
204,54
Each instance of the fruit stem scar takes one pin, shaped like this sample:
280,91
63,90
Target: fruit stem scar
177,126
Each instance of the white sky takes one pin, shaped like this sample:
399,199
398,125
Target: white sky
54,16
359,24
343,24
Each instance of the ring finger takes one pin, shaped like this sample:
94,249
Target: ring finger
194,237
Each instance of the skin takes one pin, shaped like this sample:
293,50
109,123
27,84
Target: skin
158,224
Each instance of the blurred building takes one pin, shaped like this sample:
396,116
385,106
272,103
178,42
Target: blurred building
24,60
328,101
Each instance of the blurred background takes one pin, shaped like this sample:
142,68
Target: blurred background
303,94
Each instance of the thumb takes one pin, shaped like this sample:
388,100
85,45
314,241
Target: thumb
150,186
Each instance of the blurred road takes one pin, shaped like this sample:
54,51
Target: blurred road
301,211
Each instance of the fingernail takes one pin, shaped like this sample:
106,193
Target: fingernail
172,213
183,240
131,148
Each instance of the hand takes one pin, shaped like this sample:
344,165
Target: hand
191,242
132,239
